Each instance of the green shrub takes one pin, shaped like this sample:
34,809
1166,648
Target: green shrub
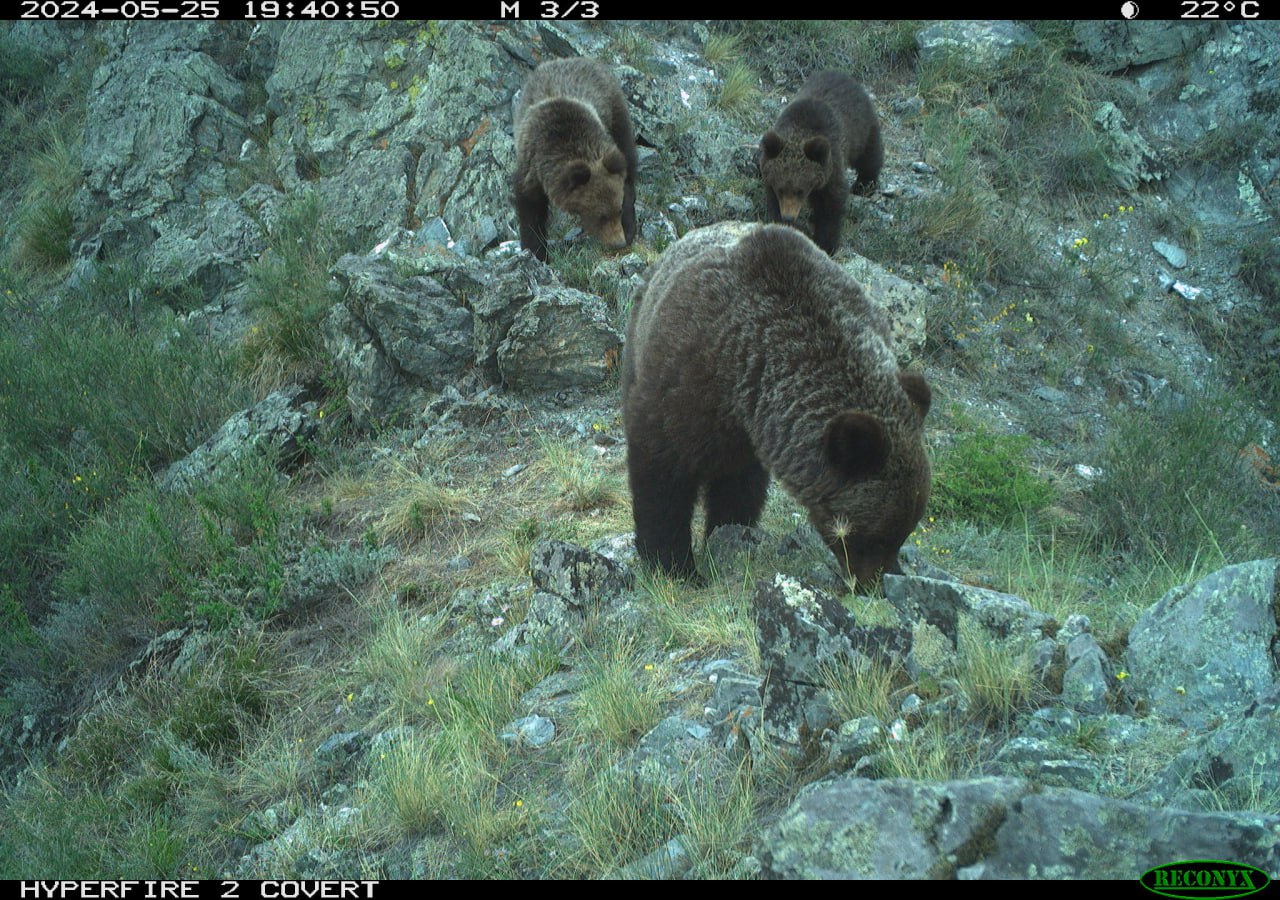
289,294
985,478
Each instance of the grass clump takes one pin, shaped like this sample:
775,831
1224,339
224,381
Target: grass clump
995,676
861,688
581,485
1177,483
289,295
794,49
622,694
738,91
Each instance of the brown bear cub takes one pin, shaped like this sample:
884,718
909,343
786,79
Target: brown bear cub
829,126
750,353
574,147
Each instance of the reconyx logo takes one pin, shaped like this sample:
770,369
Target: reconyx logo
1194,879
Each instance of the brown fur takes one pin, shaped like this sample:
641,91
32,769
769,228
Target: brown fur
574,149
829,126
750,354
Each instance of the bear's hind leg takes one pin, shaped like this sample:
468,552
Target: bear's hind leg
869,164
662,505
737,499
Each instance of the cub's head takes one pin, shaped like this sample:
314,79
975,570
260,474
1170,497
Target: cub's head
793,169
592,191
876,483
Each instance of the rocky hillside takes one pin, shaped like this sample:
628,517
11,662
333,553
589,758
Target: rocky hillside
315,551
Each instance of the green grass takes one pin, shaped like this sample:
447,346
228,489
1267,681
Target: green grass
1176,483
622,694
986,478
289,295
795,49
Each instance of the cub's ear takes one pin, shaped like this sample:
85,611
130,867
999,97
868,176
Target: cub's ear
575,175
771,145
817,149
614,162
917,391
855,445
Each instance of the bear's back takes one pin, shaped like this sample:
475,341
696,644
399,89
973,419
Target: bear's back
766,291
586,81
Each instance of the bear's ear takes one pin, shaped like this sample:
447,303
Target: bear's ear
817,149
855,445
771,145
614,162
575,175
917,391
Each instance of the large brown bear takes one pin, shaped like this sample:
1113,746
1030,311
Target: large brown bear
574,148
750,353
829,126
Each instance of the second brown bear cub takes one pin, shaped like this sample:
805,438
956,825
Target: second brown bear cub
750,353
829,126
575,149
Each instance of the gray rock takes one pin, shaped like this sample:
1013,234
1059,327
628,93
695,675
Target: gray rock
980,44
394,119
1061,833
801,631
903,301
561,339
375,391
576,574
942,603
550,621
1129,157
1046,762
1203,652
731,547
1175,255
420,326
669,861
1086,681
995,828
1049,395
281,425
1117,44
530,731
893,828
164,118
393,338
1237,766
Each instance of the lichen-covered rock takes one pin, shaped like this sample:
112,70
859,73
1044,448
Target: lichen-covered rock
1204,651
282,425
996,828
979,44
1117,44
561,339
888,829
1129,157
943,603
903,301
801,632
1237,765
400,118
576,574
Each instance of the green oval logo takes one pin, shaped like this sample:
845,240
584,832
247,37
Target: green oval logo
1193,879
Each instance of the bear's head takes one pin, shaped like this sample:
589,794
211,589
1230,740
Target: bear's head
875,484
793,169
592,190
